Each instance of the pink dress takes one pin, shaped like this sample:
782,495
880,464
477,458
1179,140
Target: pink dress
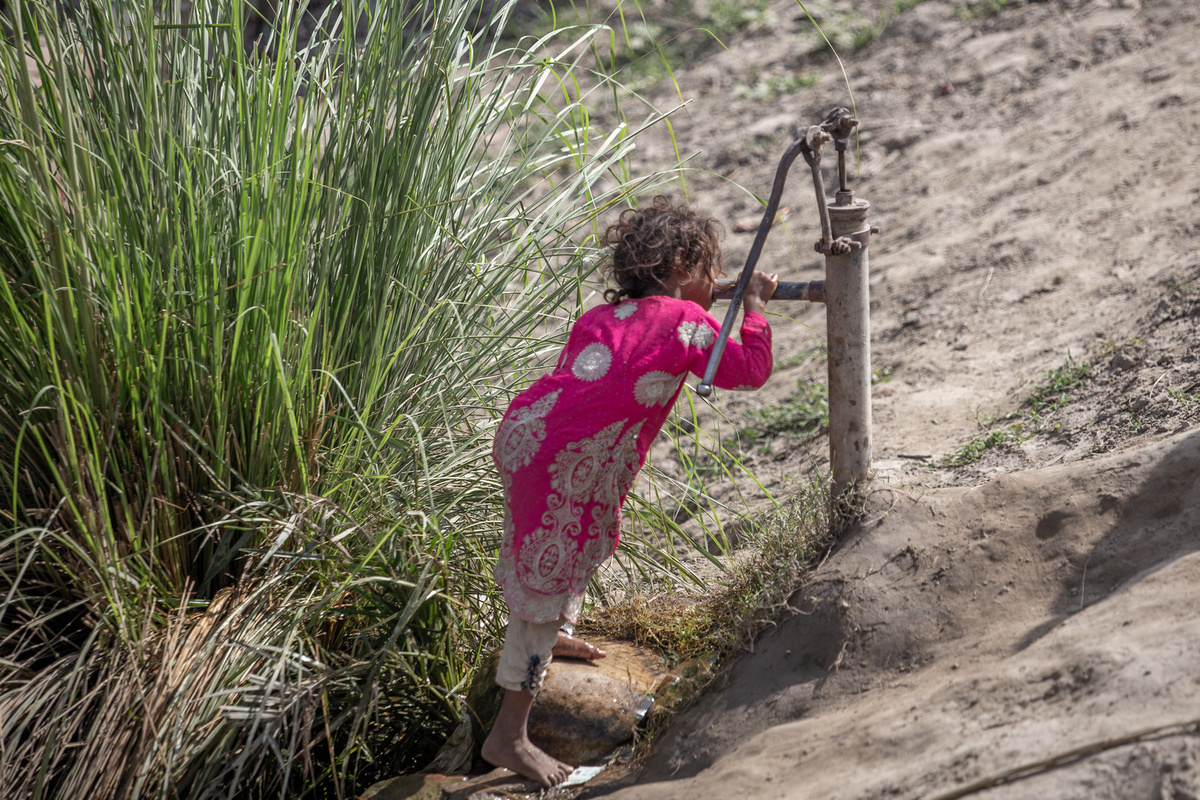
571,444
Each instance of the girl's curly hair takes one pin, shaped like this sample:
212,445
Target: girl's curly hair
649,243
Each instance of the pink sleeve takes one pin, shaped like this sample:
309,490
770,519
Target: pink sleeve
743,366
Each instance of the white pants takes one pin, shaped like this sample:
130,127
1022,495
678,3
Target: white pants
526,654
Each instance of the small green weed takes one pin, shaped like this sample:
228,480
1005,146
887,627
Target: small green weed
1048,396
637,52
864,35
680,626
818,352
973,450
974,9
769,87
869,30
1054,392
712,462
803,412
1183,398
853,29
730,16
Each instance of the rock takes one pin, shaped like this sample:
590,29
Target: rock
499,783
585,710
411,787
582,715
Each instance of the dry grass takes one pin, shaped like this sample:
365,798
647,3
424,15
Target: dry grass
700,634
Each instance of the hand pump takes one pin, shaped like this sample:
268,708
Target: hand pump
845,235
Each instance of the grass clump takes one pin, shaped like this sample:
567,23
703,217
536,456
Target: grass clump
1183,398
1054,391
261,310
642,47
707,629
818,354
727,17
974,9
870,30
803,412
973,450
1035,411
769,87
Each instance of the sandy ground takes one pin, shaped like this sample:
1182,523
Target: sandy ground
968,632
1034,175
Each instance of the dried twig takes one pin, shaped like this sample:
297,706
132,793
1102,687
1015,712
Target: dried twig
1068,757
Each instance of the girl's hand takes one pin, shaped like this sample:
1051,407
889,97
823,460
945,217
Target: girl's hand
759,290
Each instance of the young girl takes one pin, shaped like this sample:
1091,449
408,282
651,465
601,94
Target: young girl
571,444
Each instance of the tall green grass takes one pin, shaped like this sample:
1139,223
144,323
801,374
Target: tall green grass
261,310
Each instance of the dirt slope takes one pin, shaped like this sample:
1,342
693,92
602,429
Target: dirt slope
1047,207
1034,174
961,634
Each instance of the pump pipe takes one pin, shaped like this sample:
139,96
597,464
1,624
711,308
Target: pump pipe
714,359
812,291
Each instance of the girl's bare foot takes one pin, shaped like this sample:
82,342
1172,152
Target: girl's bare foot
523,757
569,646
508,744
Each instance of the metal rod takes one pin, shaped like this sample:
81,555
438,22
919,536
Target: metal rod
704,389
812,291
814,162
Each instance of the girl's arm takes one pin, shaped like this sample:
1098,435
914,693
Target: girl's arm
743,366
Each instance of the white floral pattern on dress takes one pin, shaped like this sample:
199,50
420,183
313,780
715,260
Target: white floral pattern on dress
599,471
656,388
592,362
695,333
625,310
520,436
